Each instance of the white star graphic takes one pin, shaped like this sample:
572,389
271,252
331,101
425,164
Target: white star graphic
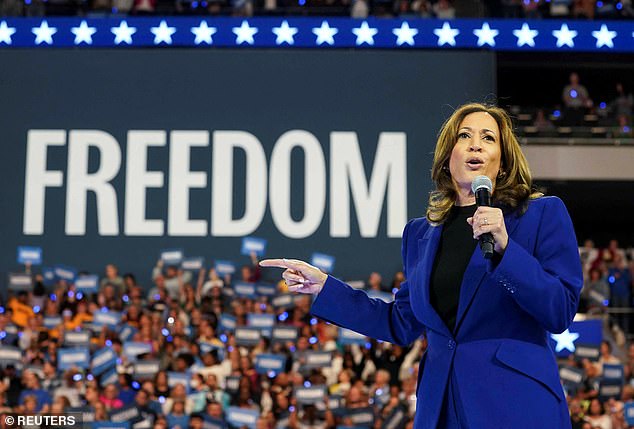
325,33
284,33
244,33
6,32
564,36
44,33
565,340
604,36
203,33
486,35
163,33
83,33
446,34
365,34
405,34
525,36
123,33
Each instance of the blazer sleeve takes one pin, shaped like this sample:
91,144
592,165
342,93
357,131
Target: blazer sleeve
547,284
351,308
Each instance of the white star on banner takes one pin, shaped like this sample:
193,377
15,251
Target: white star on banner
6,32
203,33
44,33
565,340
163,33
244,33
284,33
365,34
405,34
486,35
564,36
604,36
123,33
446,34
325,33
83,33
525,36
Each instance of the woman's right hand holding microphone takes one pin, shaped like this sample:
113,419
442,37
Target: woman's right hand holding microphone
299,275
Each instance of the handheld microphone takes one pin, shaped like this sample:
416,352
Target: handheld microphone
482,188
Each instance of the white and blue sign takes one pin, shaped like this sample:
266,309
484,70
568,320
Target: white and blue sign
247,336
77,338
613,372
590,352
232,383
253,245
110,425
283,334
587,332
66,273
111,319
174,378
211,423
572,377
146,368
132,349
265,363
172,256
240,417
75,357
310,395
193,263
103,360
126,332
20,282
316,359
324,262
628,410
244,289
87,284
10,355
31,255
126,414
48,276
109,377
265,322
50,322
227,323
283,301
225,267
265,289
347,336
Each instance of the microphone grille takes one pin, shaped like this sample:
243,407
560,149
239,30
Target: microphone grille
481,182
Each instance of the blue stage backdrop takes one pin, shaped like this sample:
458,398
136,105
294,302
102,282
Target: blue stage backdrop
117,155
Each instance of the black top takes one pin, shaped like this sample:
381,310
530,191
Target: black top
454,252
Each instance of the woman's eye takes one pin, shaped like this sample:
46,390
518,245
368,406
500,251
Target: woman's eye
490,138
463,135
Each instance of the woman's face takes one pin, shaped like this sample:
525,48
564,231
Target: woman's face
477,151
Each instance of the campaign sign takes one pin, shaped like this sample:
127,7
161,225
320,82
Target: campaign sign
361,416
586,332
172,256
310,395
608,389
269,362
20,282
111,319
324,262
244,289
109,377
87,414
174,378
132,349
110,425
28,254
103,360
261,321
64,272
48,276
572,377
253,244
10,355
211,423
126,332
283,334
50,322
130,413
87,284
316,359
146,368
74,357
396,419
247,336
227,323
239,417
283,301
193,264
628,410
584,351
346,336
232,383
383,296
613,373
265,289
77,338
225,267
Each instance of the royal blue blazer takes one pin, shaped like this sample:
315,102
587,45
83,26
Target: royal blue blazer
499,357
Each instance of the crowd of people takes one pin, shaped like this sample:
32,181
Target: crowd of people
204,372
443,9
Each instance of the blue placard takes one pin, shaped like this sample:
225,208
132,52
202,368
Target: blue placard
172,256
283,334
111,319
75,357
590,352
310,395
361,416
324,262
20,282
130,413
126,332
396,419
346,336
572,377
10,355
244,289
87,284
265,363
240,417
48,276
64,272
253,244
266,289
211,423
146,368
261,321
110,425
628,410
132,349
193,263
109,377
283,301
225,267
77,338
588,332
608,389
32,255
103,360
174,378
87,414
50,322
227,323
613,372
316,359
232,383
247,336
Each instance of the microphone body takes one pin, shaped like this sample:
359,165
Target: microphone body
482,188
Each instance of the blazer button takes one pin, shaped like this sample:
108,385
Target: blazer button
451,345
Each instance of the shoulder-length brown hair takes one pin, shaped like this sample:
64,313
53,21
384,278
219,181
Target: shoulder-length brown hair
513,185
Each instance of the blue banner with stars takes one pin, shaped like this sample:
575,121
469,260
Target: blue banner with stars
303,32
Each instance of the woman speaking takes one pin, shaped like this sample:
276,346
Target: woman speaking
486,318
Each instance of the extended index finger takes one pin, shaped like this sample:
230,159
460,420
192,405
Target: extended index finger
281,263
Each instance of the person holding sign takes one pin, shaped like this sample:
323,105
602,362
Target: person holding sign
486,317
